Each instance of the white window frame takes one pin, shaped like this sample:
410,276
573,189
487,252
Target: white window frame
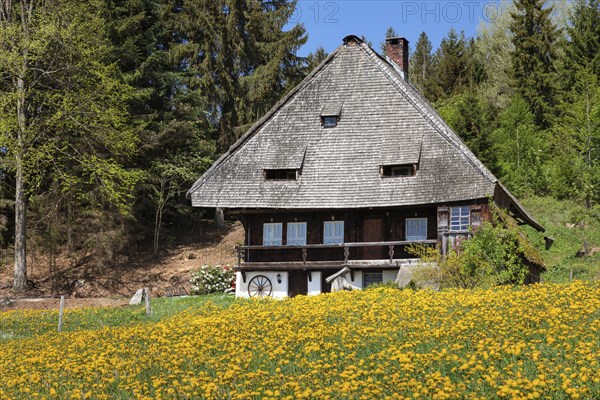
460,218
272,234
336,234
416,236
296,234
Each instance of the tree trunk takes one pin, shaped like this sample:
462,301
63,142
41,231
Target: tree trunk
20,279
160,206
219,218
157,224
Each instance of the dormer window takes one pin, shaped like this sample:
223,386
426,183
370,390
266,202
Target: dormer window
281,174
329,121
398,170
330,115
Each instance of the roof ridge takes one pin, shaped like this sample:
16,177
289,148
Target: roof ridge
430,114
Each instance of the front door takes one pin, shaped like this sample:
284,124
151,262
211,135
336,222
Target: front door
373,232
298,283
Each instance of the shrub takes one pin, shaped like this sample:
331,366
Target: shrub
211,279
495,255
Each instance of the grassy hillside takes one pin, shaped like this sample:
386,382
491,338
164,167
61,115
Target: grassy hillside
570,225
539,341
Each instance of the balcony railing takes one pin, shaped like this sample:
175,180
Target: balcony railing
242,250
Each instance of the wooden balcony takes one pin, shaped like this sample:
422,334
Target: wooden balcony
325,256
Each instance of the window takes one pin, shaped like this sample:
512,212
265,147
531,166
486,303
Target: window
329,121
296,233
281,174
416,228
330,114
333,232
459,218
272,234
371,278
398,170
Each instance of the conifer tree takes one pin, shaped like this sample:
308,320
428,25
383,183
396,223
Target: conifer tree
576,163
583,46
533,60
315,58
389,33
240,57
454,64
576,146
422,66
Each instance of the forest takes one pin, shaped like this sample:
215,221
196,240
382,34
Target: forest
110,109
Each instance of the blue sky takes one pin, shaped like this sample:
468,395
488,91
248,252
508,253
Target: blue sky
329,21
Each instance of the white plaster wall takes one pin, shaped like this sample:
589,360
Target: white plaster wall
358,279
314,287
389,275
280,290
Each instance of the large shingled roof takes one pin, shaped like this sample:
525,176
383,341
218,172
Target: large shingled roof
383,121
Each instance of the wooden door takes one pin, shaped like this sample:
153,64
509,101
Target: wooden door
297,283
373,232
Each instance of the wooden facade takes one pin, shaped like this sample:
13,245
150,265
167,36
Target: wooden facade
360,226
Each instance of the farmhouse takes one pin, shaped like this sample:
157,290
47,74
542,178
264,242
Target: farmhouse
347,170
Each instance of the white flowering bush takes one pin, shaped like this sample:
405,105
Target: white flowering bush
211,279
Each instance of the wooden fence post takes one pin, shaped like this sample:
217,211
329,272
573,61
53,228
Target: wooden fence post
571,275
61,313
147,297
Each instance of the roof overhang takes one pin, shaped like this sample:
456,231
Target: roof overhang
504,198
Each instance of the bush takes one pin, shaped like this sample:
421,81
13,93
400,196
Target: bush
495,255
211,279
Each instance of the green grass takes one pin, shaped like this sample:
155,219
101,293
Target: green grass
555,215
28,323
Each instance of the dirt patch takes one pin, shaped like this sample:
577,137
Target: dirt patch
108,285
53,303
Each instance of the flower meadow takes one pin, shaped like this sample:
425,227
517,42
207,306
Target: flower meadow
539,341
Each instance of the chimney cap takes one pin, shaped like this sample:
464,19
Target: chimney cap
396,40
352,38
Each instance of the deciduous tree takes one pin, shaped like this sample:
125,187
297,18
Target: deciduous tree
62,108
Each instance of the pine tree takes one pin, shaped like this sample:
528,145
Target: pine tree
583,46
533,59
168,109
576,163
454,65
315,58
389,33
240,57
422,65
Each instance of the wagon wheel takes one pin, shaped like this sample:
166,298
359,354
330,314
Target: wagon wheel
259,286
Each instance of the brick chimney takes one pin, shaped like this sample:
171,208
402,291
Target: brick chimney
396,49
